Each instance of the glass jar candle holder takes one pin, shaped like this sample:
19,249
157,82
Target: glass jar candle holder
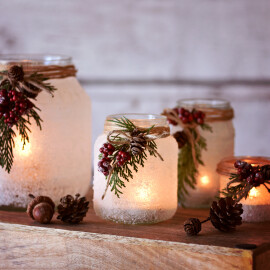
220,143
257,205
151,195
57,159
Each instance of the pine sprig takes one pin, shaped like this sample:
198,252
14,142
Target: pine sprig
6,146
124,173
187,171
22,123
41,80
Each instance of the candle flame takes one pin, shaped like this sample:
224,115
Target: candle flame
143,194
253,193
205,180
23,150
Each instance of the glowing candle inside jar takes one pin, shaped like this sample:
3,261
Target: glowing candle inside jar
150,196
205,180
257,205
22,149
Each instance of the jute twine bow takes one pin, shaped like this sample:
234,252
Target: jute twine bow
192,138
21,77
22,82
126,137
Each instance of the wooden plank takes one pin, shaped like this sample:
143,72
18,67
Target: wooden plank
98,244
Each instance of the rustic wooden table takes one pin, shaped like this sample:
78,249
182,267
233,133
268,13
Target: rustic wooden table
98,244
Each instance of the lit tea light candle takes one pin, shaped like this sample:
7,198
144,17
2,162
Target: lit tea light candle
204,180
23,150
257,205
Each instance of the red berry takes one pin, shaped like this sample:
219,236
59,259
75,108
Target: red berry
111,147
182,111
200,121
190,118
185,120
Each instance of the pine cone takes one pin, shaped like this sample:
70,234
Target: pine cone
138,143
225,214
192,226
72,210
266,172
181,138
16,74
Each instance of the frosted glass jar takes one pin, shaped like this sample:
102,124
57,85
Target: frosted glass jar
151,196
57,161
257,206
220,144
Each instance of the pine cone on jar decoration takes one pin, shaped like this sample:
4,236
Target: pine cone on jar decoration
181,138
265,170
225,215
72,210
138,143
16,74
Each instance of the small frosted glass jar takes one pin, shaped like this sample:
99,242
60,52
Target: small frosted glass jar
57,161
220,144
257,206
151,196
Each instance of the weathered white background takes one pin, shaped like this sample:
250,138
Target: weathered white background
142,56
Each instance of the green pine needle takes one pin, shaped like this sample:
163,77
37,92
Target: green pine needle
187,171
124,173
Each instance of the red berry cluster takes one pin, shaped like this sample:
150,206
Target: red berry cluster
107,149
188,117
122,158
104,165
246,172
13,105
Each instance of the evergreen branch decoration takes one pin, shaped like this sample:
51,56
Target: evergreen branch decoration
126,151
17,110
247,177
190,144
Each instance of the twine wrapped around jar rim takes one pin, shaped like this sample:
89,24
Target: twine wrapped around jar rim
214,114
48,71
226,165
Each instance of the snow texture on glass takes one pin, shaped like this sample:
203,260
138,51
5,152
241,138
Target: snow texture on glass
57,161
150,197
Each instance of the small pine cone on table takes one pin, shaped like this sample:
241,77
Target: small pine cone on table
138,143
225,214
72,210
192,226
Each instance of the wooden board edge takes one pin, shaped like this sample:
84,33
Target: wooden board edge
179,246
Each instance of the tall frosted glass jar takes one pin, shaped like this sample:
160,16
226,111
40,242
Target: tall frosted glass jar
57,161
220,144
151,196
256,208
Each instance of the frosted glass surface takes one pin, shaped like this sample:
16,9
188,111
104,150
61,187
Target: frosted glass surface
151,196
220,144
58,159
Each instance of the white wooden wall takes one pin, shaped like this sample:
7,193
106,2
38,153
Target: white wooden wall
141,56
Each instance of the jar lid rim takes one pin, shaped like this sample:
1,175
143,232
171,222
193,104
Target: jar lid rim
36,59
143,116
226,165
205,103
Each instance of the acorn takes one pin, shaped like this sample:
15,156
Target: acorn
41,209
